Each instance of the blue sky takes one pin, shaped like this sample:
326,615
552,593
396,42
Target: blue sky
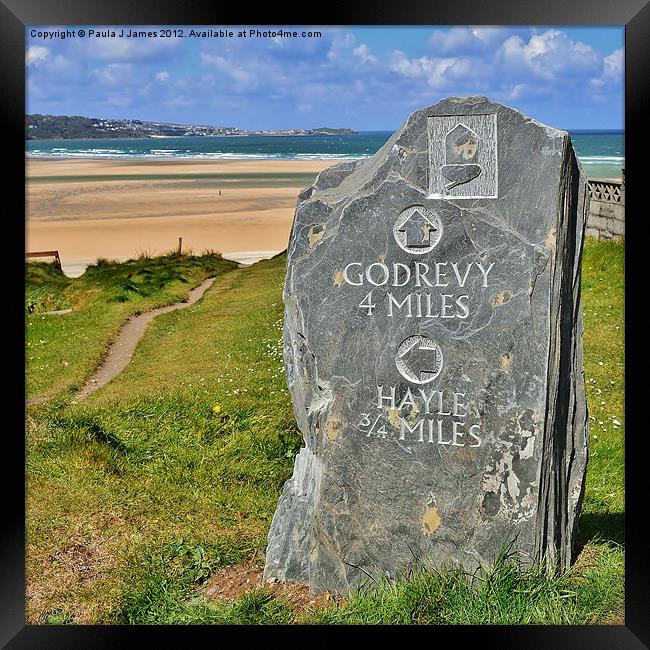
367,78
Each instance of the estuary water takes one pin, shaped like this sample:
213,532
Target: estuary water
600,152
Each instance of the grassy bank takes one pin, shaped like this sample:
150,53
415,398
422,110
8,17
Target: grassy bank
63,349
141,492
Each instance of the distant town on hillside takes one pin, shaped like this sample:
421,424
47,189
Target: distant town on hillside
69,127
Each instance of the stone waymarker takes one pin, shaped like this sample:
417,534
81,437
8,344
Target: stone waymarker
433,352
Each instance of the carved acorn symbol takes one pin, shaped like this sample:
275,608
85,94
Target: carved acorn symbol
461,153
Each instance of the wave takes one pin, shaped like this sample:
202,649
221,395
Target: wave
160,153
76,154
602,159
62,152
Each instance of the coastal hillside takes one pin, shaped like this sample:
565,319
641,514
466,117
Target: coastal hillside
76,127
327,131
149,501
62,127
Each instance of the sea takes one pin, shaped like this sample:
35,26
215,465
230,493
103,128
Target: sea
600,152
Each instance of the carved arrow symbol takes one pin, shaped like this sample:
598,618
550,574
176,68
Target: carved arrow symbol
417,230
421,357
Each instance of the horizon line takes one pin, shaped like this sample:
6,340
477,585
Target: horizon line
385,130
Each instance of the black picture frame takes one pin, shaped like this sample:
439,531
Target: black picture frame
15,15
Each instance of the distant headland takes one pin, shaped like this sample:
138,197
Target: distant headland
76,127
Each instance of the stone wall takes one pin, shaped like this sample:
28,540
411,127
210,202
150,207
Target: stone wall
606,218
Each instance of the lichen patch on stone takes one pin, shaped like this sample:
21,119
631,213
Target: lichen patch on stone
431,520
332,426
315,235
551,238
393,417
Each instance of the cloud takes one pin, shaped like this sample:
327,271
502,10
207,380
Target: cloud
490,36
466,40
547,55
179,102
341,42
516,92
119,99
612,70
55,70
363,52
243,79
436,71
163,75
115,73
526,92
36,54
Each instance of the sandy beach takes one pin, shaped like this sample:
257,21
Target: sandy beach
118,209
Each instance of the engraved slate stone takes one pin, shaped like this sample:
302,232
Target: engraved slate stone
436,376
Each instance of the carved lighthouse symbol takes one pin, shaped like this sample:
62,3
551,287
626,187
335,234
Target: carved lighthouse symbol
461,153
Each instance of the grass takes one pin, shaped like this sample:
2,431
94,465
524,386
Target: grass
173,470
504,594
604,321
63,349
